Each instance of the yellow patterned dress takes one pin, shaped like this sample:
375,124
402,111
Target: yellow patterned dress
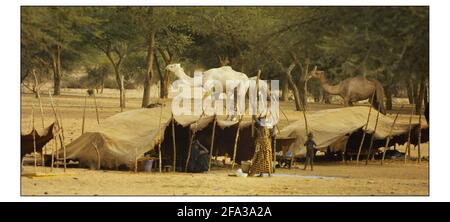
262,159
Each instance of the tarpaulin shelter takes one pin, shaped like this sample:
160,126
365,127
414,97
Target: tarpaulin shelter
122,138
341,128
41,137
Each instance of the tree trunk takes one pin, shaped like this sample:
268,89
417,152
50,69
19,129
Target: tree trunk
388,94
421,95
302,92
56,66
149,74
409,90
119,80
415,91
285,89
298,105
163,88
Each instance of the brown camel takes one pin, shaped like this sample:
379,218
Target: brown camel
354,89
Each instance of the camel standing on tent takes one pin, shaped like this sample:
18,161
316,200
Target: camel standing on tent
354,89
222,75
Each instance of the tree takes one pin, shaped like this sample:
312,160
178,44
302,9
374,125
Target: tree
114,34
51,30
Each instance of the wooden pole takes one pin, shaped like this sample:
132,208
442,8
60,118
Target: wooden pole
174,145
56,150
34,139
373,135
364,132
84,114
420,138
96,109
408,144
189,151
159,140
122,98
258,75
53,151
235,144
64,151
135,160
389,135
211,149
60,128
98,156
39,99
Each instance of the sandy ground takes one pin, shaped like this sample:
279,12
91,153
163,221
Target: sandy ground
334,178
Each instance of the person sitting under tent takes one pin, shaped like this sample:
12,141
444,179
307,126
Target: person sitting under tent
288,158
310,150
198,161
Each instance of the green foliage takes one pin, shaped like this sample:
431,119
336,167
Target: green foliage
387,43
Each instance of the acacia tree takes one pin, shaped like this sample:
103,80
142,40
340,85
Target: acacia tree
51,31
381,43
114,34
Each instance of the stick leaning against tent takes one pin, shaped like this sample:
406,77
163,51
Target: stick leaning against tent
389,135
373,135
212,143
60,129
408,144
364,131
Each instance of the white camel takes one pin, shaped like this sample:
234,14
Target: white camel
222,75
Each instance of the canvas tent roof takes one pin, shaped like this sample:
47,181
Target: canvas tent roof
127,135
331,126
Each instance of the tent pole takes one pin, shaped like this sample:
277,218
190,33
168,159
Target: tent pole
34,138
190,145
96,108
53,153
212,143
364,131
160,138
373,135
408,144
135,160
189,152
235,144
98,156
56,150
84,115
174,144
389,135
39,99
420,138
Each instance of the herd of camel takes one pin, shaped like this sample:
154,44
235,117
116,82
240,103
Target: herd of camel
351,90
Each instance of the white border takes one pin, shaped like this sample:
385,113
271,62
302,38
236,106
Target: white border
10,97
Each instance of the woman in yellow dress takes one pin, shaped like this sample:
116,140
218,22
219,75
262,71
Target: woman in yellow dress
262,159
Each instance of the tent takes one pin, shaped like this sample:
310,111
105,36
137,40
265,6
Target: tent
343,128
122,138
41,138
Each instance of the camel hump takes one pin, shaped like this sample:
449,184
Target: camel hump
226,68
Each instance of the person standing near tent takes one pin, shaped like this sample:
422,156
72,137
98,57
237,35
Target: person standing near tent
262,159
310,150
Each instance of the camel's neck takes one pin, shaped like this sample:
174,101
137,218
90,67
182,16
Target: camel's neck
330,89
182,75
